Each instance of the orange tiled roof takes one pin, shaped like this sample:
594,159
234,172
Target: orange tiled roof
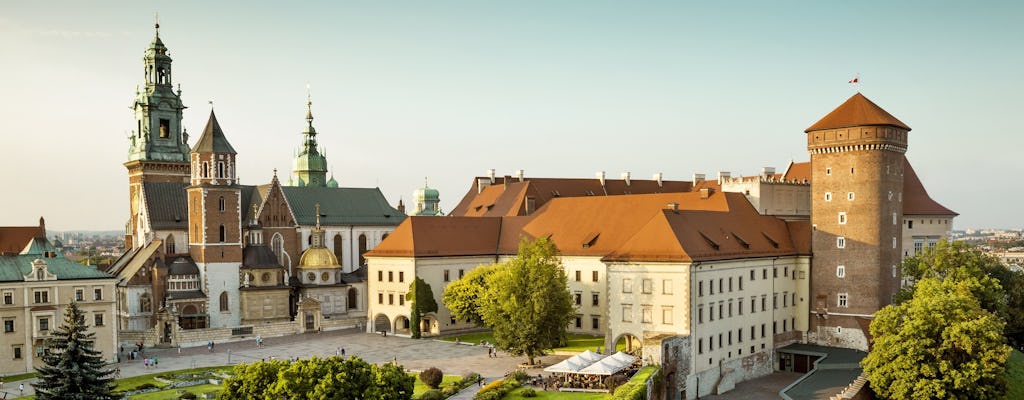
857,111
916,200
799,172
423,236
13,239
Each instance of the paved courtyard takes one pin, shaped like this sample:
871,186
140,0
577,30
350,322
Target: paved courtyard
417,355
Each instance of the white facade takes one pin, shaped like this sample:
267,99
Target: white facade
221,278
349,236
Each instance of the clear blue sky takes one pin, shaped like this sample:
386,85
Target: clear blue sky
448,89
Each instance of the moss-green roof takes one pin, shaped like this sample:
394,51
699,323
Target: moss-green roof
14,268
341,206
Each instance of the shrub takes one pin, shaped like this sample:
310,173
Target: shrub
188,395
145,386
613,382
450,391
528,392
432,394
432,377
519,375
469,379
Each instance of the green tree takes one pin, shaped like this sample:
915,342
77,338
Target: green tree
422,301
938,344
463,298
251,381
72,368
527,302
319,379
1000,291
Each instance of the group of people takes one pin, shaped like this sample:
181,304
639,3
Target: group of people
259,342
151,362
209,346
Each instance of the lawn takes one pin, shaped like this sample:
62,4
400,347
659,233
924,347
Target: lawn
173,393
418,390
541,394
127,384
18,377
577,342
1015,375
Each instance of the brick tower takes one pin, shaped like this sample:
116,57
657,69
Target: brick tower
856,210
215,223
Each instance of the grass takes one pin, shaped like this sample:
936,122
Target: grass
173,393
418,390
577,342
541,394
127,384
1015,375
18,377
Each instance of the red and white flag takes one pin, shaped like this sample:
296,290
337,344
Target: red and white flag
856,79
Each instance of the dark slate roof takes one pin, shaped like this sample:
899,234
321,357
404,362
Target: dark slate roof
183,266
167,204
14,268
213,140
341,206
192,294
249,197
356,276
123,261
257,257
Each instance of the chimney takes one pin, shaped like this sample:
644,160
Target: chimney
481,183
723,176
490,174
767,172
625,177
657,177
600,177
401,206
519,174
706,192
697,178
673,206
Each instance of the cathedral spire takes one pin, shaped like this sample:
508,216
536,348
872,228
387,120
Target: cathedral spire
158,109
310,163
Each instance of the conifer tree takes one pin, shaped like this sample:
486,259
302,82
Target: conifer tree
73,369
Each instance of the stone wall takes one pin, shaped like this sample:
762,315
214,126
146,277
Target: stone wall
728,373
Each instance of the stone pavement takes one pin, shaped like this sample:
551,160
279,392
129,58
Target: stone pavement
415,355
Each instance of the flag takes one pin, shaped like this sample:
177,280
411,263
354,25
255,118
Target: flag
855,79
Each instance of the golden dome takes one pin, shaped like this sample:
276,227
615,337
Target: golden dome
318,258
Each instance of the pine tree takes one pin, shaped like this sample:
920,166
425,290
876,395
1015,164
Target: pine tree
73,369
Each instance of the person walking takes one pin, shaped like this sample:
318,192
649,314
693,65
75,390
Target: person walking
156,361
21,389
342,351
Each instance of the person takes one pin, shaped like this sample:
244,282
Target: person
156,361
21,389
342,351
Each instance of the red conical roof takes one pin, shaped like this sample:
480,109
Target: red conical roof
857,111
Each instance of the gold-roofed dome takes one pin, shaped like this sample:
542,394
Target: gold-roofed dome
318,258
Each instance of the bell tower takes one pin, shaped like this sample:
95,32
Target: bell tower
310,167
158,145
857,154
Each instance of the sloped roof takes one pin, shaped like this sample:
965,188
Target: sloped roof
506,197
14,268
422,236
213,139
38,245
798,172
183,266
341,206
259,257
13,239
916,200
166,205
857,111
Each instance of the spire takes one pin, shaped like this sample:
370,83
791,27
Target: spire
213,140
310,167
857,111
318,215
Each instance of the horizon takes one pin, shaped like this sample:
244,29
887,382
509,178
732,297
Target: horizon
449,90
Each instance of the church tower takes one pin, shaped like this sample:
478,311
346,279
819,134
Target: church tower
310,168
427,201
215,222
856,211
158,146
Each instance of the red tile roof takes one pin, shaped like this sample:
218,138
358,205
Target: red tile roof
857,111
916,200
423,236
798,172
13,239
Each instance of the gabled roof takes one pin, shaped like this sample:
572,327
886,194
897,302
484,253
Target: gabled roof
13,239
14,268
212,139
916,200
423,236
259,257
797,172
183,266
341,206
506,196
857,111
166,205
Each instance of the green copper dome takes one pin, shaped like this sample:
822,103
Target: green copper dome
310,166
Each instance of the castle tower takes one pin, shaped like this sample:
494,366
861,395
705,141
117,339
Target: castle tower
215,222
427,201
158,146
310,167
856,211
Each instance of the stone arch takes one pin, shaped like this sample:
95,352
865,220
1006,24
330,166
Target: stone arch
339,248
169,245
224,305
381,323
353,299
402,325
630,344
362,249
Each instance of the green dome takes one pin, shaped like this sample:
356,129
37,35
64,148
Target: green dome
332,183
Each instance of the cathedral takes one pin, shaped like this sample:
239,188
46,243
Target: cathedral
208,258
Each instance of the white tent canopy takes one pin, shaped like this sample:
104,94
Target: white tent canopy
625,357
607,366
576,363
566,366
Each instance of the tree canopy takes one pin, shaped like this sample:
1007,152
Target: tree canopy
463,297
72,368
527,303
317,379
422,298
938,344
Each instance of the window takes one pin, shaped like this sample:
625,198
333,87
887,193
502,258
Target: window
391,276
711,312
462,273
44,324
721,310
741,283
910,224
842,218
220,234
8,325
764,302
627,313
739,336
844,300
97,294
730,284
785,300
579,321
391,298
401,299
894,242
762,331
700,346
627,285
752,275
711,286
8,298
849,196
97,319
220,204
576,297
446,279
828,196
595,299
752,336
700,288
380,298
730,338
17,352
339,249
841,271
594,276
841,242
224,306
380,276
894,271
647,317
401,276
785,271
730,307
775,301
753,304
79,295
700,314
666,315
165,124
739,306
764,273
353,299
828,171
41,296
578,274
666,286
648,286
595,323
918,246
362,250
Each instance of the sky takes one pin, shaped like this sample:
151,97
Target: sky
405,91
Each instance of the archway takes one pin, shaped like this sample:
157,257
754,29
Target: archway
381,323
628,343
402,325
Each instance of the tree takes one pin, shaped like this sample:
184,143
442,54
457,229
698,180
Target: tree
938,344
1001,291
432,377
422,301
319,379
72,368
527,302
463,298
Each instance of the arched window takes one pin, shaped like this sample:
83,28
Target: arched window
362,249
277,246
339,249
145,303
220,204
221,234
224,301
353,302
206,169
169,244
309,240
220,169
